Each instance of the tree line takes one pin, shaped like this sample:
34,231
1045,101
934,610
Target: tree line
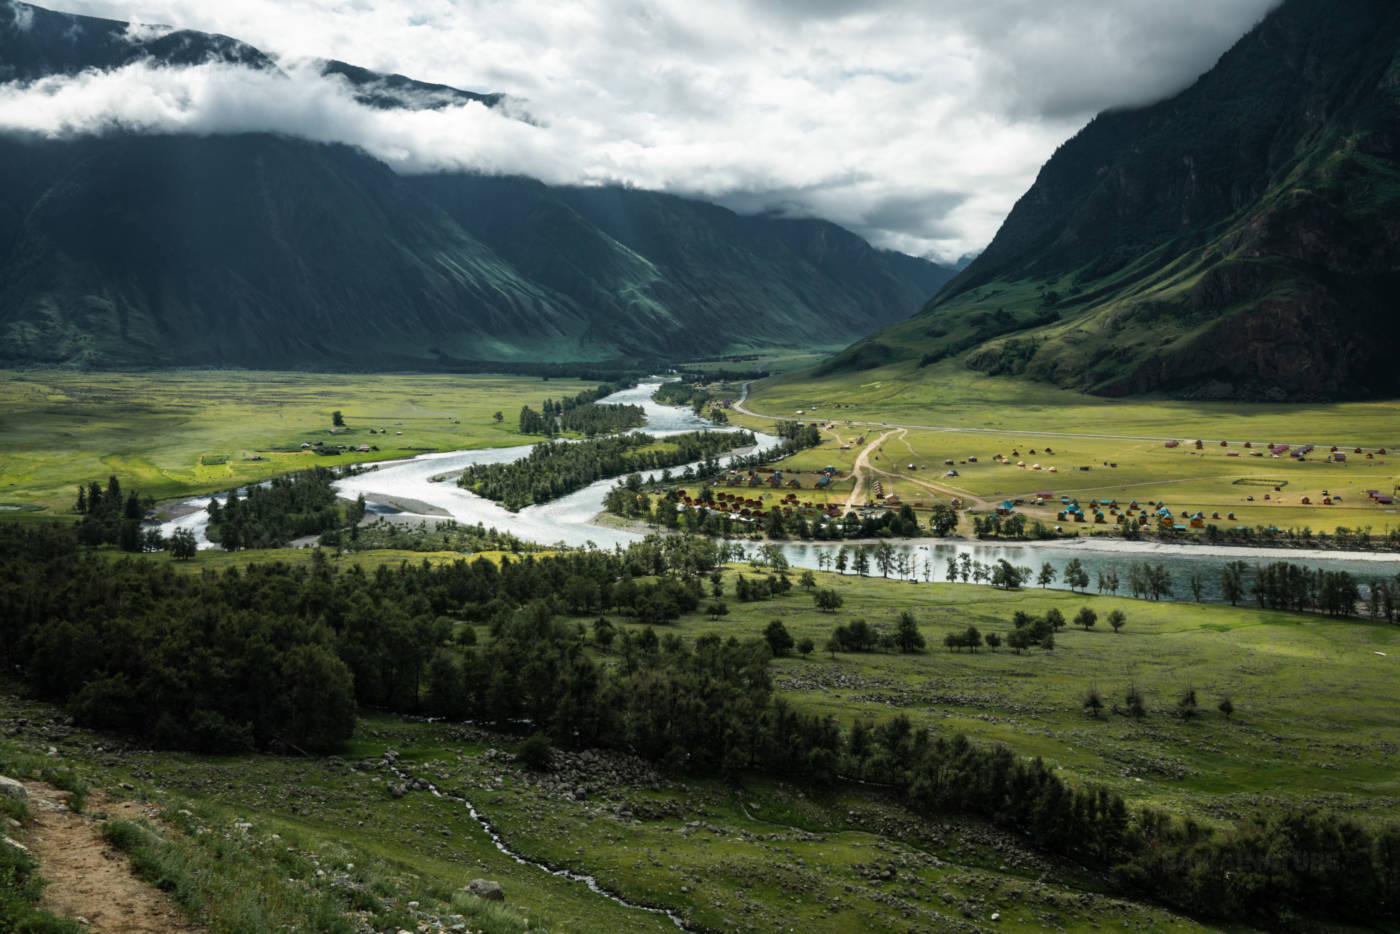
442,535
286,507
699,401
277,656
582,414
111,517
555,468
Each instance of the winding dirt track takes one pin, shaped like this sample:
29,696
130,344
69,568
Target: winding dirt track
861,469
86,877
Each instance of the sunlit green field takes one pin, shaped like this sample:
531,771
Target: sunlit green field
1090,448
949,395
179,433
1208,480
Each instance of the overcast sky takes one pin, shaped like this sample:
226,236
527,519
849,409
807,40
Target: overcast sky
916,123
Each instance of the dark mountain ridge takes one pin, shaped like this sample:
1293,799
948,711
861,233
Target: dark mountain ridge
259,250
1238,239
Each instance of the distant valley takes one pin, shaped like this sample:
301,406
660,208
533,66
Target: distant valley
258,250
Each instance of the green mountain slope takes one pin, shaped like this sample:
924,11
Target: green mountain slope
251,251
693,271
1241,239
256,250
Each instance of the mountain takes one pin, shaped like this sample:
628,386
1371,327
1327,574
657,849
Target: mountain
38,43
258,250
1241,239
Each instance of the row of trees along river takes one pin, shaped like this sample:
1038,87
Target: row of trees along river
583,413
554,468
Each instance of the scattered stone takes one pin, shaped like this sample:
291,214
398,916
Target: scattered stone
12,789
486,889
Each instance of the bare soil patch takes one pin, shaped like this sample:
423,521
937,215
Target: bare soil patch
87,877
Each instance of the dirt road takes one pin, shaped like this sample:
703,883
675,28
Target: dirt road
861,469
85,876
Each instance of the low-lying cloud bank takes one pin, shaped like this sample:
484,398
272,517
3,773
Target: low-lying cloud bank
298,101
916,123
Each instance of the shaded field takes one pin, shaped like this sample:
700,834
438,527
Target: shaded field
286,840
180,433
1316,717
1315,723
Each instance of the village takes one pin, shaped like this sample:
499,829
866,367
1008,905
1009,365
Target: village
1091,485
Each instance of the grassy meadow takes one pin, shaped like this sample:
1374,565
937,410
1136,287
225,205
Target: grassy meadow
180,433
948,394
1092,448
1315,719
284,842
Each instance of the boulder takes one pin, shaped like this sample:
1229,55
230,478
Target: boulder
483,888
9,788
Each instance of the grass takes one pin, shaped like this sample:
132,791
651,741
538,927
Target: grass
217,560
273,842
263,843
20,888
1315,715
950,395
1119,442
179,433
238,880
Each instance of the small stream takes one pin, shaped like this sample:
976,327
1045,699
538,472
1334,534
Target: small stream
500,845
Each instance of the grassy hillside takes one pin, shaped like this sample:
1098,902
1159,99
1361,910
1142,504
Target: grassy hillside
355,839
260,842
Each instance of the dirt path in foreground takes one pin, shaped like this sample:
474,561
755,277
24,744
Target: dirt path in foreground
86,877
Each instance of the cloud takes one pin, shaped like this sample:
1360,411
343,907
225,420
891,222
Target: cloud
140,33
22,16
916,123
217,98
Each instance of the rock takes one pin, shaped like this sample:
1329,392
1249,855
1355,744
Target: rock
12,789
485,889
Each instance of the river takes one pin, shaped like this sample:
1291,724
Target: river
407,487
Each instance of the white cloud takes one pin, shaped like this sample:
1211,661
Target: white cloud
146,32
915,122
297,101
23,16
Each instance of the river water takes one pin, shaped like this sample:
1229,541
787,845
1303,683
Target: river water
399,487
